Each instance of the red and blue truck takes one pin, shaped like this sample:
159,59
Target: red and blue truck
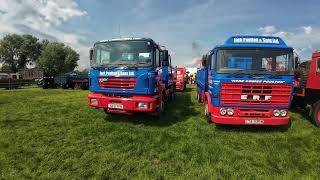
249,80
130,75
180,76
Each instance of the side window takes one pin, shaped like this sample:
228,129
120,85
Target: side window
157,58
212,64
103,57
318,65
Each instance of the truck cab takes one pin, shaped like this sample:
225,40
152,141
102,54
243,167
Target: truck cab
247,81
180,76
130,75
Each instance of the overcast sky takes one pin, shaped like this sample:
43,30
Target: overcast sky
187,27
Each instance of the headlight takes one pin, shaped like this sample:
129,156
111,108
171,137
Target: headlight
283,113
276,113
94,101
223,111
230,112
143,105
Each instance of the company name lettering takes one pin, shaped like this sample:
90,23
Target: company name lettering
116,73
258,81
256,40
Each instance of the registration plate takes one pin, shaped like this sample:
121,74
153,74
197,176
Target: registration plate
254,121
115,106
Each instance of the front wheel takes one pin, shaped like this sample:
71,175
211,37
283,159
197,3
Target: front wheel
159,110
315,114
207,113
285,128
106,111
199,98
171,94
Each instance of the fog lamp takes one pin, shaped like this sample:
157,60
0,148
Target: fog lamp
94,101
142,105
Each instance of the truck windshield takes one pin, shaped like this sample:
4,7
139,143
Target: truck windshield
255,61
122,53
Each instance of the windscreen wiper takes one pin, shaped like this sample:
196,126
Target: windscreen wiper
238,72
142,63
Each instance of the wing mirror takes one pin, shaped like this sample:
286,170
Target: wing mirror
165,58
296,62
204,61
91,54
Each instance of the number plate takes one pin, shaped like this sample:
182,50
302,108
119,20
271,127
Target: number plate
254,121
115,106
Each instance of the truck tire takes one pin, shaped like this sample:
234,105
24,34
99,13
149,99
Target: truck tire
315,114
171,94
206,112
285,128
199,98
159,110
106,111
303,73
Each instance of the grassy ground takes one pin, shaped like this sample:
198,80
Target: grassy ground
53,134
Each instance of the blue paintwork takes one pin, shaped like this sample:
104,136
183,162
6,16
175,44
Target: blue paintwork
146,83
214,87
146,76
230,43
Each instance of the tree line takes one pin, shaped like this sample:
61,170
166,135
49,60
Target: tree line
17,51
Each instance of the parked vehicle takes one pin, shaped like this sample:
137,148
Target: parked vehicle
130,75
180,76
247,81
307,87
65,81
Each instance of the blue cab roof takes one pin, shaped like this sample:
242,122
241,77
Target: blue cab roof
254,42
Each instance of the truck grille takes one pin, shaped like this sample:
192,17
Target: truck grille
241,94
259,113
117,83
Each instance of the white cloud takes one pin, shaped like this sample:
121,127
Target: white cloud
267,30
307,29
42,18
303,39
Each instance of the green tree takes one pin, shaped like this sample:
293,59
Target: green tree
57,58
30,50
10,50
18,50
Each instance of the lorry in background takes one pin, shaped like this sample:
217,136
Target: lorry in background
180,76
130,75
307,87
247,81
66,80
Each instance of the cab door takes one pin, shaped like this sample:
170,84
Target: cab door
317,84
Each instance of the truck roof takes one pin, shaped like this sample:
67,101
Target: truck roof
132,39
254,42
127,39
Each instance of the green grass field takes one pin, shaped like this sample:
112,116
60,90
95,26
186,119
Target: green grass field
53,134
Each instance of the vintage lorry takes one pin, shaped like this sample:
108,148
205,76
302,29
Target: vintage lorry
180,76
248,80
130,75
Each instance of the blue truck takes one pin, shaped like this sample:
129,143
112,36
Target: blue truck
248,80
130,75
